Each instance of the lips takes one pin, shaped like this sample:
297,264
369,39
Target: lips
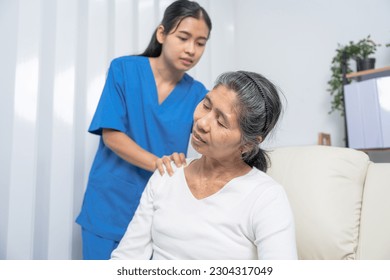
187,61
197,137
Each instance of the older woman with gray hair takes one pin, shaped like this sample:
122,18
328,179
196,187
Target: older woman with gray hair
222,205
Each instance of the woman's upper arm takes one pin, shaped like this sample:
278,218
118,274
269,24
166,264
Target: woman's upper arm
274,228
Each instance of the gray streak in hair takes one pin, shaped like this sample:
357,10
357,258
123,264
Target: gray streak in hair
259,107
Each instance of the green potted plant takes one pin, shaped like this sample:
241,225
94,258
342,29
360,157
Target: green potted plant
364,48
339,68
360,52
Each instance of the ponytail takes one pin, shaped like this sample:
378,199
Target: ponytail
257,158
154,48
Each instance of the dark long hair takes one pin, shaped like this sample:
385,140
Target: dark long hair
173,15
259,108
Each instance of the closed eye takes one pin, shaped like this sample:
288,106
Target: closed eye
221,124
206,106
182,38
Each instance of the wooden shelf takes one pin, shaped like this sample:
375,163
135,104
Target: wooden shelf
367,72
374,150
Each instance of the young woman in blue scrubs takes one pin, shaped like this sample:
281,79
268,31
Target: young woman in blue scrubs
144,118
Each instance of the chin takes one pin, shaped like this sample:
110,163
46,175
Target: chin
185,69
196,147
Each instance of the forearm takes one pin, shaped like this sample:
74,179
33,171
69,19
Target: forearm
129,150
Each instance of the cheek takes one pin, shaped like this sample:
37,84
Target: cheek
197,112
230,140
200,52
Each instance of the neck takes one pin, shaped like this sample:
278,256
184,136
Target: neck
215,169
163,73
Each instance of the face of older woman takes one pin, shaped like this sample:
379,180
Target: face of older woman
216,132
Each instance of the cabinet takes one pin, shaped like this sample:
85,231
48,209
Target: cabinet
367,110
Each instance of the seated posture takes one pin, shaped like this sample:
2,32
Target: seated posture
222,205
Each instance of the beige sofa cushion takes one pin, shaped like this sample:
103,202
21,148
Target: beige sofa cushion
325,188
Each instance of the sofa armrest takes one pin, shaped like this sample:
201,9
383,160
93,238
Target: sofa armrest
374,240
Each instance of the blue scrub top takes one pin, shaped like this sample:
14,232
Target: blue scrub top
129,103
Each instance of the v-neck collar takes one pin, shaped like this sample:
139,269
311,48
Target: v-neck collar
180,89
217,193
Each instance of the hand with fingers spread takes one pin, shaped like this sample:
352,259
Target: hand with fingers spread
177,158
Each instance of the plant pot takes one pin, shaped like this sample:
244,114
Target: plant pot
365,64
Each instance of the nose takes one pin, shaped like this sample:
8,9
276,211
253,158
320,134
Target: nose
190,48
203,123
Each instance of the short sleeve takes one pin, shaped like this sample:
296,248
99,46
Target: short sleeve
111,111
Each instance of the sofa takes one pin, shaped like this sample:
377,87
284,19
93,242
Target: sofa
340,200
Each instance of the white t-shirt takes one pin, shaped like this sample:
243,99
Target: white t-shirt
249,218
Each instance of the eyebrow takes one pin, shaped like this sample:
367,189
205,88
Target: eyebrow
219,112
190,35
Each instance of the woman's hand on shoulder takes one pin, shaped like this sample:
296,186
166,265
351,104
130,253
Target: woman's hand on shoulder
178,159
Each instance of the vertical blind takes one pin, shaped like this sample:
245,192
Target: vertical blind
54,57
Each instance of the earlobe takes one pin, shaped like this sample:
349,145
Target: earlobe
160,36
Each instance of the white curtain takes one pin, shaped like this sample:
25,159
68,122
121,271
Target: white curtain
54,55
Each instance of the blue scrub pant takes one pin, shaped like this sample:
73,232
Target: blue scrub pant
96,247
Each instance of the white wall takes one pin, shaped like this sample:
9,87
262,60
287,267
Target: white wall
53,59
293,43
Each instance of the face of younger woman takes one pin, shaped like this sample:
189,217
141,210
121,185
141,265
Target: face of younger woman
216,132
184,45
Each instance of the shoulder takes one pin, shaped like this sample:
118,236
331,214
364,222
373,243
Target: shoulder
125,68
159,179
196,85
159,183
265,187
128,60
268,199
259,177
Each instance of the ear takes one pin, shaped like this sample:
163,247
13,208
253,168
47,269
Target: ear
259,139
160,36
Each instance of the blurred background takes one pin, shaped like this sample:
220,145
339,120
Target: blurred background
54,55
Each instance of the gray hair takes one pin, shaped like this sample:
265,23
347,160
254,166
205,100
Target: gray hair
259,107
